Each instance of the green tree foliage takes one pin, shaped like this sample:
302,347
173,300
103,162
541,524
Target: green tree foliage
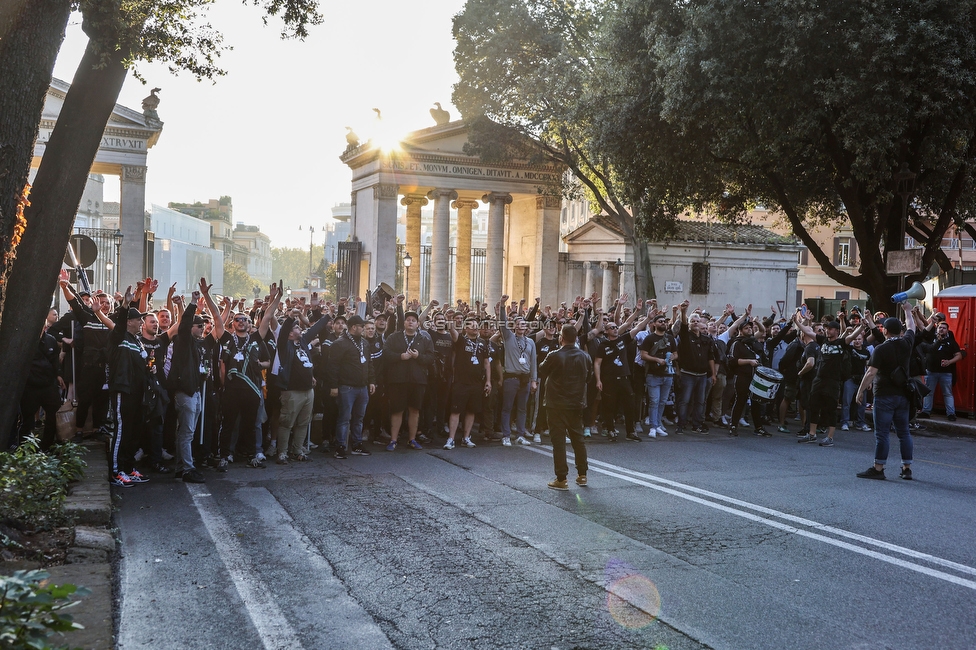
526,69
121,34
808,108
290,265
238,283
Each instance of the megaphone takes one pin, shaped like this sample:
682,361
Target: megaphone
916,292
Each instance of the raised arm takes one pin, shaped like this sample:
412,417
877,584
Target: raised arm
269,311
218,318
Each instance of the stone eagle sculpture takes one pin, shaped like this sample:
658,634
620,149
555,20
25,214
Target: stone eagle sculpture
439,114
352,140
150,103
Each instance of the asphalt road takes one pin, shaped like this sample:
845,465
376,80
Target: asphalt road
682,543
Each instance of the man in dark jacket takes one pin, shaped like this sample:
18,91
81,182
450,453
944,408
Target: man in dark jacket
42,391
189,369
351,380
566,372
128,376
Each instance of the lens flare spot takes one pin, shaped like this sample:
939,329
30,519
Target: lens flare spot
633,601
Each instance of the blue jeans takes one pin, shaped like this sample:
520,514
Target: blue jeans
943,380
850,390
188,411
515,393
658,388
888,410
352,409
694,391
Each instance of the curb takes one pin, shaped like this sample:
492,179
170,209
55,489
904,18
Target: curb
89,560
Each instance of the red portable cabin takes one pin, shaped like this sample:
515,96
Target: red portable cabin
959,306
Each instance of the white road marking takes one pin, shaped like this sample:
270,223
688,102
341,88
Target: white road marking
672,487
271,624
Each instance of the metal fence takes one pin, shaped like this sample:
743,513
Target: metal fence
478,267
103,268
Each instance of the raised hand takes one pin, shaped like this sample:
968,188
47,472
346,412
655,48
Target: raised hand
204,287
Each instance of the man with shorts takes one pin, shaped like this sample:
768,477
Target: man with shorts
472,382
407,356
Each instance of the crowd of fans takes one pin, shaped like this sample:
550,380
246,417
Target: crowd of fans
206,381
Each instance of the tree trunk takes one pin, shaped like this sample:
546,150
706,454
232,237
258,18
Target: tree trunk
58,187
643,273
31,33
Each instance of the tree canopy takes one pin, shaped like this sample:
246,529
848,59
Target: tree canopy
809,108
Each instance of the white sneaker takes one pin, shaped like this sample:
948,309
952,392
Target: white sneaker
139,455
725,421
845,427
261,457
537,439
167,455
652,433
469,444
647,421
506,442
449,444
743,423
586,432
522,441
662,432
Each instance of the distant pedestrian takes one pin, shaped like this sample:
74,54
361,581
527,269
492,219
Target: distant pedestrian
566,372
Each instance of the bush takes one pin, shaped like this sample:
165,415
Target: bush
33,484
30,610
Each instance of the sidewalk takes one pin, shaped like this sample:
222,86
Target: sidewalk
90,558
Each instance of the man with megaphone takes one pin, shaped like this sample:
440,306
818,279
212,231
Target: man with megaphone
889,373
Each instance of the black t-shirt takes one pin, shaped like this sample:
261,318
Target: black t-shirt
443,346
241,355
543,347
614,357
659,346
810,351
938,351
156,351
830,360
744,348
471,359
891,354
859,361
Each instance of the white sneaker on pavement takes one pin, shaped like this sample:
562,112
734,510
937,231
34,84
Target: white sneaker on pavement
652,433
506,442
537,439
522,441
662,432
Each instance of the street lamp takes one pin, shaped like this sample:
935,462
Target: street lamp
407,261
117,235
311,236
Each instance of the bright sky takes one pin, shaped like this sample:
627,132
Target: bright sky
270,132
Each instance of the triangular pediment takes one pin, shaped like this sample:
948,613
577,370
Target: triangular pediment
592,232
122,117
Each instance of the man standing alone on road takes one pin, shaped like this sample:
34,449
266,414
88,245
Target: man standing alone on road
566,372
888,370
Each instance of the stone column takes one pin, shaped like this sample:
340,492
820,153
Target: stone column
382,247
462,271
607,286
440,245
414,203
626,283
545,275
132,223
588,281
495,253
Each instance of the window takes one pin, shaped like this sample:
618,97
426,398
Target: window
804,257
842,251
799,297
699,277
842,295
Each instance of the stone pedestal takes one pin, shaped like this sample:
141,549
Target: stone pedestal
607,292
132,223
